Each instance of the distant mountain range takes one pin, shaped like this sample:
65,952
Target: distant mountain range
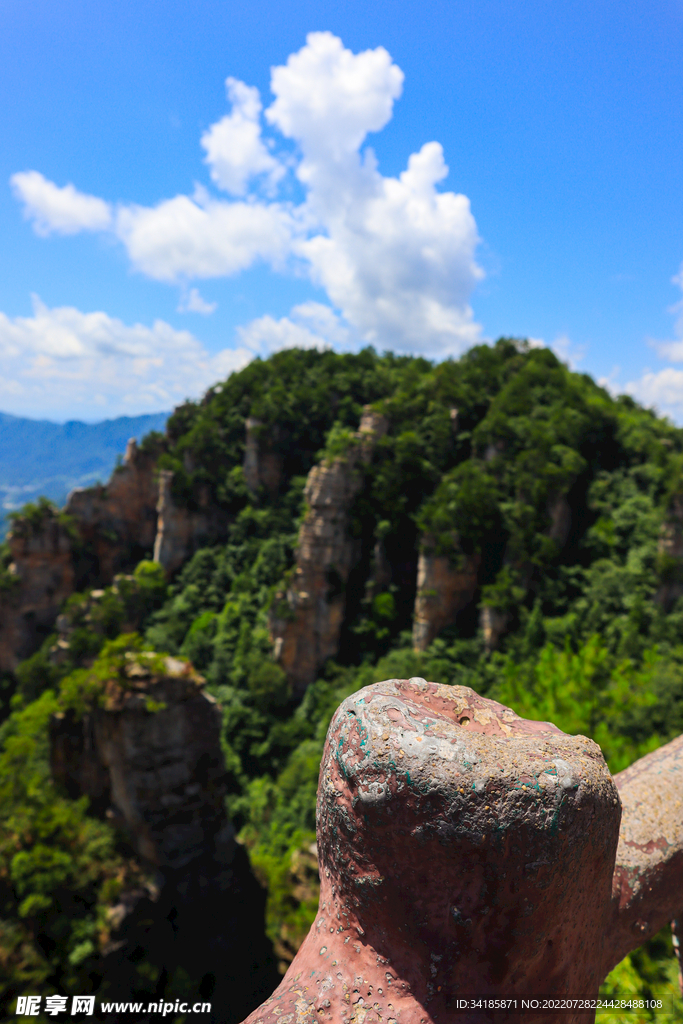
42,458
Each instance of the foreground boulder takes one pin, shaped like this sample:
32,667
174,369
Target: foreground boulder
465,851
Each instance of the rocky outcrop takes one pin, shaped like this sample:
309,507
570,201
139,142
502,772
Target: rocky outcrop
180,530
150,760
493,623
263,467
43,570
101,530
306,620
118,521
466,852
151,755
443,590
670,552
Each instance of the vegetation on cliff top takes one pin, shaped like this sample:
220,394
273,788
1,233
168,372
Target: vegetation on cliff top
560,490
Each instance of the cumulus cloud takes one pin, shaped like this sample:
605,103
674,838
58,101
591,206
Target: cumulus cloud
64,211
68,363
310,325
235,151
328,98
185,237
395,255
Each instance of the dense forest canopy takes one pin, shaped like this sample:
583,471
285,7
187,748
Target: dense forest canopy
568,499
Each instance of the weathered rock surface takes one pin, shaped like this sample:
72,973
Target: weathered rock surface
152,755
493,623
262,462
180,531
648,877
306,622
103,529
118,521
43,566
150,760
443,591
466,851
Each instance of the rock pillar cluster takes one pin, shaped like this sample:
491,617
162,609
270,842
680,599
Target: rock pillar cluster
306,621
465,852
103,530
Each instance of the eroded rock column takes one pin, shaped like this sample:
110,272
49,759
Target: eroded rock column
306,620
443,590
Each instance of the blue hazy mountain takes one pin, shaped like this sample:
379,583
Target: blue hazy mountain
38,457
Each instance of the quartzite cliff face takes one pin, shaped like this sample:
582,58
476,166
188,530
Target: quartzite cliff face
149,758
306,622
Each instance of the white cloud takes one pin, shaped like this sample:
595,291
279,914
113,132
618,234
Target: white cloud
65,211
312,325
328,98
182,238
663,389
64,363
395,255
234,149
194,303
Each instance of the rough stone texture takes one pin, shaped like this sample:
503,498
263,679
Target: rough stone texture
493,624
648,877
180,531
160,770
118,521
150,759
262,464
442,592
306,622
464,850
113,525
42,562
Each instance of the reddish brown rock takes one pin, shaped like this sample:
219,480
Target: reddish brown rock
42,564
101,530
152,754
118,521
306,622
466,851
443,590
648,877
180,530
149,757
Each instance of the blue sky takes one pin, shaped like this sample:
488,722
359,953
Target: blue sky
417,176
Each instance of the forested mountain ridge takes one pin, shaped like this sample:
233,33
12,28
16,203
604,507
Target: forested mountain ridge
497,521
